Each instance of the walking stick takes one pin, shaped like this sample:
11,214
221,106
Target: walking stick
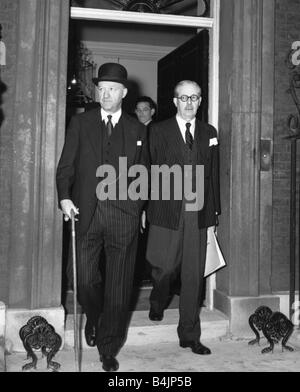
76,337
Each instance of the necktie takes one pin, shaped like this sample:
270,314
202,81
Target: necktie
188,136
109,125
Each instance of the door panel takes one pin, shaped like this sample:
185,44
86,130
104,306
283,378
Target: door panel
189,61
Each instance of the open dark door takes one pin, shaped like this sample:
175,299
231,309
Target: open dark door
188,61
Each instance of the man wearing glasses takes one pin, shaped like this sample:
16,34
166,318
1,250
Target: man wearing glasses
177,238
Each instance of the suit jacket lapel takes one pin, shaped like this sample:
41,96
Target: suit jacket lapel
175,140
93,130
129,132
201,141
130,138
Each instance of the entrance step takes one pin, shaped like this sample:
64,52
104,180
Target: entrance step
140,300
143,331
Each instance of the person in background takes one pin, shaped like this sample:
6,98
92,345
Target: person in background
145,110
177,238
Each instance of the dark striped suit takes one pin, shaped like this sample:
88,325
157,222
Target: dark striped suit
167,147
110,225
177,238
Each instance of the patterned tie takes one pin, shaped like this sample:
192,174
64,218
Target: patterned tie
188,136
109,125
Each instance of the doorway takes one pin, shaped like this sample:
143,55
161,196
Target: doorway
131,54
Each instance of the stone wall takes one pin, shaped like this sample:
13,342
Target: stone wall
2,336
8,20
287,30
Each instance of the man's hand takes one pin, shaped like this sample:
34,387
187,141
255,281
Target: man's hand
66,206
143,222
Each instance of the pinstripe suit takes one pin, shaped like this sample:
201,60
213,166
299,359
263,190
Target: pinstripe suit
166,147
177,238
108,225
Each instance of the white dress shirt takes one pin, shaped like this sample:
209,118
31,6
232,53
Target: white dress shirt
181,123
115,117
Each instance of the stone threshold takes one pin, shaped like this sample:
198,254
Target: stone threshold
143,331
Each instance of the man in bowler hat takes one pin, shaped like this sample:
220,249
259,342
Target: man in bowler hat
94,138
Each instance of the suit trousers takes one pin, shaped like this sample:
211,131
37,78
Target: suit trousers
179,252
106,301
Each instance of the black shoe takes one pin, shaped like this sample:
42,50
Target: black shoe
155,316
90,332
109,363
196,347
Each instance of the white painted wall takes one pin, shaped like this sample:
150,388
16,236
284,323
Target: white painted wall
144,74
139,60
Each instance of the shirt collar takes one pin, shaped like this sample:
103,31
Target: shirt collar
181,123
115,117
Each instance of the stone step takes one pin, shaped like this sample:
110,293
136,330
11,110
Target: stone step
143,331
140,300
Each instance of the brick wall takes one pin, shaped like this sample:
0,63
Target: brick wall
287,30
8,20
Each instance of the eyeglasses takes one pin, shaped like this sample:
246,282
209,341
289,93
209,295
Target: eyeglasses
185,98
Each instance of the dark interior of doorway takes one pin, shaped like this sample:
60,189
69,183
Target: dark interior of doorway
85,30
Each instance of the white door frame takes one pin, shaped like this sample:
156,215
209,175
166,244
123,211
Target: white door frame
212,24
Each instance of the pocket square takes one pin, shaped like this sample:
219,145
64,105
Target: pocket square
213,141
139,143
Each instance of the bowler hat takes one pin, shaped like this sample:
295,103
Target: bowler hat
112,72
